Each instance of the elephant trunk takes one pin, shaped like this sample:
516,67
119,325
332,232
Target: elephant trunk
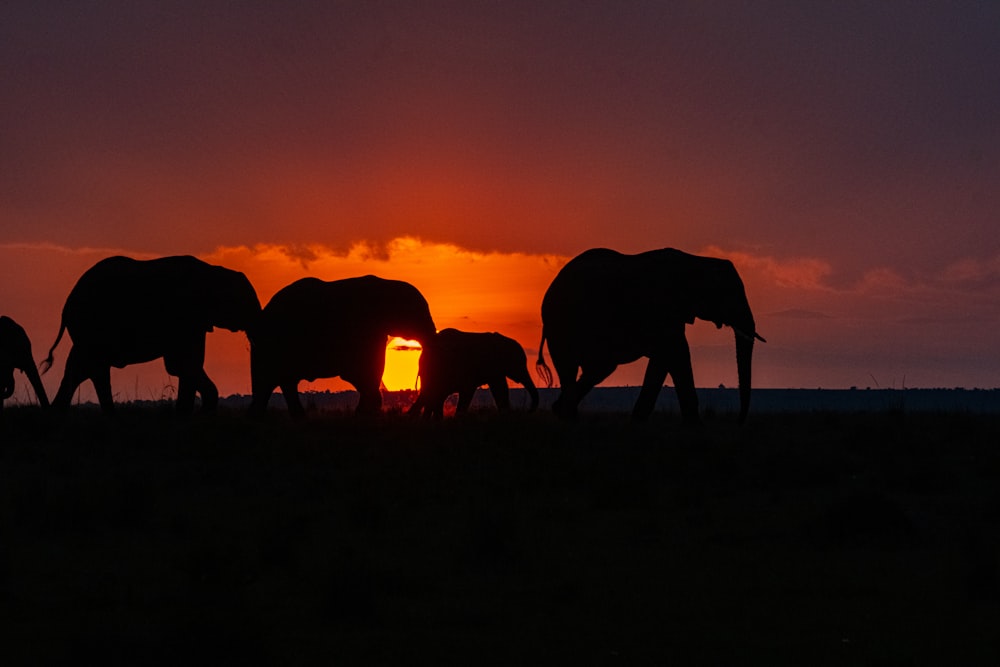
744,355
533,393
36,383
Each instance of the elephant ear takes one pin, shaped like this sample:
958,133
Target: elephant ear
230,301
685,307
199,290
693,287
676,300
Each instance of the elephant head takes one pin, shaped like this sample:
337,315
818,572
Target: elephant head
230,301
15,352
713,291
7,385
405,311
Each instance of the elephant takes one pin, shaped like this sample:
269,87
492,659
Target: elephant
15,352
126,311
461,362
318,329
605,308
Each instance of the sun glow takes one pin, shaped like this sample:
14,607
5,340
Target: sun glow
402,359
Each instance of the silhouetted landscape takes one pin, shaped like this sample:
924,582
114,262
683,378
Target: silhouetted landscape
813,536
200,200
716,401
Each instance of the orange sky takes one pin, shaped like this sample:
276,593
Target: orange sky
811,325
844,156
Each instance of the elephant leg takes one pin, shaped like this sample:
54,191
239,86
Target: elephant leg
434,406
465,395
36,383
417,408
680,371
369,400
101,378
591,376
258,405
185,395
262,386
77,370
7,387
501,394
290,390
568,371
652,382
428,399
187,363
209,392
569,399
523,378
367,378
262,383
564,406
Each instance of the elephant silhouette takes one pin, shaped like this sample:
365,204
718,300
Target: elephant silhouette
605,308
126,311
15,352
460,362
317,329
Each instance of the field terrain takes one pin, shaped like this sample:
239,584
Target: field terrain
801,538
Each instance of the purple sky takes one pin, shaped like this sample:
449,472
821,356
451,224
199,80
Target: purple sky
848,154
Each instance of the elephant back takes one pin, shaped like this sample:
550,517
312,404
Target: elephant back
366,305
132,309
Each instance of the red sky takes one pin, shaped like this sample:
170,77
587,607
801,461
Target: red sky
845,156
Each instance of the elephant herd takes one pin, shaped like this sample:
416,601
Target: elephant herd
603,309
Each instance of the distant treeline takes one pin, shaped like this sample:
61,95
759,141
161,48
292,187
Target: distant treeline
718,401
713,401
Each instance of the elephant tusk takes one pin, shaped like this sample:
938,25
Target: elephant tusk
744,334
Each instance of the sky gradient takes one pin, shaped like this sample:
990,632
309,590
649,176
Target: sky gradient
844,155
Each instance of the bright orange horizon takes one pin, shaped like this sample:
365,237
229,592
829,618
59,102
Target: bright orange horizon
477,291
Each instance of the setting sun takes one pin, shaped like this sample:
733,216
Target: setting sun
401,361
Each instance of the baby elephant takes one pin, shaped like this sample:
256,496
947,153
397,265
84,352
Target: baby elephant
460,361
15,352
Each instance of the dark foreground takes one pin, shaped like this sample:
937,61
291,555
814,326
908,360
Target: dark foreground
809,539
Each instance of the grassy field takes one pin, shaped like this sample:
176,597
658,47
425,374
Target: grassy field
803,539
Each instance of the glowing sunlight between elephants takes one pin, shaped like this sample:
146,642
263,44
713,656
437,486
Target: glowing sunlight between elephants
402,358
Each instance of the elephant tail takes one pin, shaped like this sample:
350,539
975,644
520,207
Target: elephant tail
47,361
543,370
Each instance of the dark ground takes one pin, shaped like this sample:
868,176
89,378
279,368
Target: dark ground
800,539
